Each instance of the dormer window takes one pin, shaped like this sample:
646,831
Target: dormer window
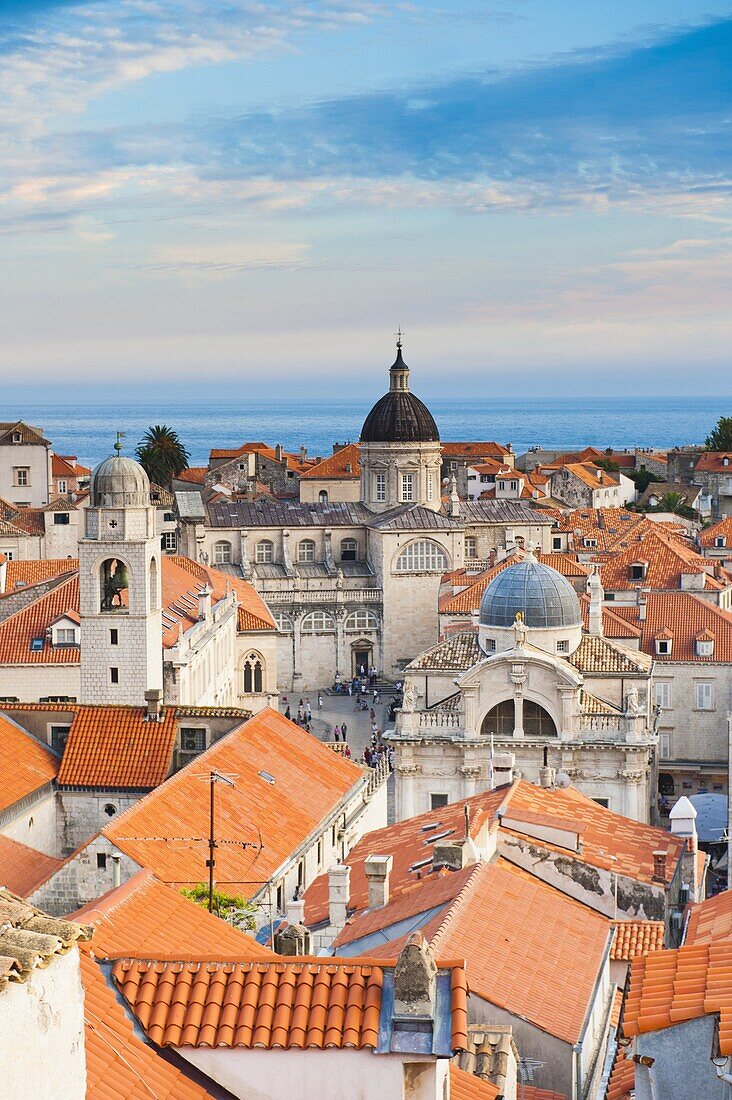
637,570
720,541
589,542
663,647
64,633
16,437
725,461
705,647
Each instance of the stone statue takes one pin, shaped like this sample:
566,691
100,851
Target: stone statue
632,703
339,578
519,630
409,696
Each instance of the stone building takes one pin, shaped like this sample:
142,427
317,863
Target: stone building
533,689
356,583
713,474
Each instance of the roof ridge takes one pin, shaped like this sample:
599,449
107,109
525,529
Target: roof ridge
457,903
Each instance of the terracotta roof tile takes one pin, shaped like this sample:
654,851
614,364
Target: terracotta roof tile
715,462
29,624
711,920
253,613
287,782
335,465
118,748
589,474
22,869
470,597
196,475
25,764
466,1086
531,1092
622,1077
668,987
596,654
613,624
666,558
709,535
475,447
636,937
22,574
145,918
119,1064
683,616
613,528
456,653
26,432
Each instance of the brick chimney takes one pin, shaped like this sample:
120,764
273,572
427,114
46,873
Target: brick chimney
659,866
279,451
378,871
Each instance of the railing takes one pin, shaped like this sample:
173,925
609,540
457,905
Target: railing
439,719
600,723
477,565
320,596
376,777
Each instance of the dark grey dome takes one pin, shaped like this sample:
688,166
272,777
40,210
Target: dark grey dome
399,416
543,596
119,481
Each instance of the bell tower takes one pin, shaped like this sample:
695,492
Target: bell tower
120,587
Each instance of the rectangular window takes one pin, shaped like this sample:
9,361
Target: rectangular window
192,739
58,737
664,745
407,487
563,646
704,695
114,675
470,546
430,486
114,637
557,542
21,475
514,486
61,518
66,636
662,695
62,486
101,861
663,647
437,801
380,487
491,645
169,541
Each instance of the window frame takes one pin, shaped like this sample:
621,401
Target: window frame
665,703
306,551
222,552
702,689
406,487
420,549
380,488
322,617
264,552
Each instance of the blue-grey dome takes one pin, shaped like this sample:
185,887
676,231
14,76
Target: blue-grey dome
544,597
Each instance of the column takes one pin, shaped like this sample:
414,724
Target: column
518,714
566,733
340,620
296,647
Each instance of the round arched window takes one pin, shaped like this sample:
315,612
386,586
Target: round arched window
422,556
115,583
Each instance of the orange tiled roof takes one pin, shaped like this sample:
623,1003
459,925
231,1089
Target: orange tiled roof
62,467
711,920
531,1092
290,1004
287,782
709,534
614,528
409,843
119,1064
498,923
714,462
117,747
30,622
669,987
21,574
590,475
636,937
666,558
180,597
335,465
471,596
31,521
26,432
622,1077
25,764
196,475
681,616
144,918
487,449
466,1086
23,868
614,625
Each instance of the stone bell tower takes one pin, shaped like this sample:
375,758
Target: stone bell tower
120,587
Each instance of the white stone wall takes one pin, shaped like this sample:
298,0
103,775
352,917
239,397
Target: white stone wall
37,458
42,1033
61,540
81,814
30,683
35,822
82,879
394,459
699,735
346,489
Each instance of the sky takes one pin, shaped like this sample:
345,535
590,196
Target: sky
246,198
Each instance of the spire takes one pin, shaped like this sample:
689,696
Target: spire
399,372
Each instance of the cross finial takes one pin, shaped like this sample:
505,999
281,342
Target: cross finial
398,335
118,444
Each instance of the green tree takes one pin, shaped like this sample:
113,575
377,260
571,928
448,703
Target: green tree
606,464
720,438
676,503
161,454
236,910
642,478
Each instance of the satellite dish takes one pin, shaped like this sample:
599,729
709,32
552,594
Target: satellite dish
562,781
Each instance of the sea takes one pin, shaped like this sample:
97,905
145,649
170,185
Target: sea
88,431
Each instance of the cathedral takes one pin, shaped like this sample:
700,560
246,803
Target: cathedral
531,691
356,583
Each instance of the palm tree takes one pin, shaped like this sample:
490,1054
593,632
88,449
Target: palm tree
161,454
675,503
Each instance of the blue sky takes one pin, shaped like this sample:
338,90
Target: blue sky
245,197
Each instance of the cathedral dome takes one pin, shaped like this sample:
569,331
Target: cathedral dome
399,416
117,482
544,597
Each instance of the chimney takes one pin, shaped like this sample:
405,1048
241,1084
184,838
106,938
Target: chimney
154,704
378,870
503,765
596,594
683,824
642,598
339,881
279,451
415,984
547,777
204,602
303,452
600,474
454,854
116,876
454,498
295,911
293,940
659,866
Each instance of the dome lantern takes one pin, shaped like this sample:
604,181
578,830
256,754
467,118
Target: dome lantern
399,416
119,482
542,599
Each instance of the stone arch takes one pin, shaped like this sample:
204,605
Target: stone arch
422,556
113,575
154,597
499,721
253,673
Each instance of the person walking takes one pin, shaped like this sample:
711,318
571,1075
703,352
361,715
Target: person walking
320,701
336,733
344,730
288,716
376,697
308,711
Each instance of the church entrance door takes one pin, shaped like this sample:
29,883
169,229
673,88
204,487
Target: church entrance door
362,659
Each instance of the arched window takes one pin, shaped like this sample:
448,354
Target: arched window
323,496
306,550
349,550
284,623
265,551
318,622
253,674
500,721
422,556
153,583
114,586
362,620
222,553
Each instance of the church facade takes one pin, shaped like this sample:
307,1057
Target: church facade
530,692
356,583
